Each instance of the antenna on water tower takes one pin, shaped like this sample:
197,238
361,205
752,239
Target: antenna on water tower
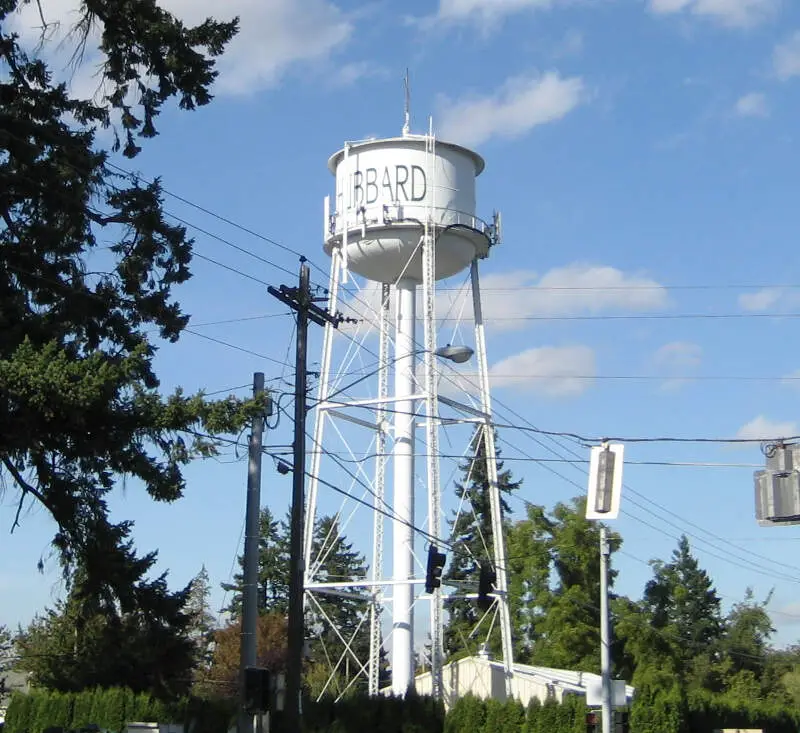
407,109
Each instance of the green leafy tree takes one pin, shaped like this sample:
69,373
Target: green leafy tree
79,398
472,539
528,579
273,569
85,642
748,629
568,633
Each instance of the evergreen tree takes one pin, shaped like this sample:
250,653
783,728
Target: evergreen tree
6,661
682,603
273,569
79,398
472,538
92,640
343,612
202,622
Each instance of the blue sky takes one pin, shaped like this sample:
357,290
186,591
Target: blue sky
644,157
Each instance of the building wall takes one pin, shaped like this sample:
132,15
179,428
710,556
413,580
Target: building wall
482,679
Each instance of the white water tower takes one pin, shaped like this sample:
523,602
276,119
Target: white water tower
403,216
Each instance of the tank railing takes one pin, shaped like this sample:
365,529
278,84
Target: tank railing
388,214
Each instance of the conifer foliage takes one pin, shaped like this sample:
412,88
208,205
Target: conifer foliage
472,538
273,569
79,398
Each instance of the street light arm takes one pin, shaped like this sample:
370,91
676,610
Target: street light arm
456,354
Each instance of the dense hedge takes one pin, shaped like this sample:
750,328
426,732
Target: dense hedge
110,709
668,711
472,715
653,711
363,714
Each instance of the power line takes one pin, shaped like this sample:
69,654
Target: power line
639,377
631,317
588,440
211,213
226,390
242,319
229,345
654,286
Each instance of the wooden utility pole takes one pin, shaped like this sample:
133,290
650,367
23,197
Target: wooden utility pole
299,299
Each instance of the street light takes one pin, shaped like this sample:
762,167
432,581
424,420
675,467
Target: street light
456,354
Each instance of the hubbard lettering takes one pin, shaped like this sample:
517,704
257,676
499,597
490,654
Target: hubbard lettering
400,183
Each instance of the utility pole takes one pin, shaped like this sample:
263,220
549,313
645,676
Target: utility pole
299,300
247,721
605,635
602,503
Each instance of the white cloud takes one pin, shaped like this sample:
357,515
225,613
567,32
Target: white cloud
787,615
786,57
762,428
792,379
552,371
515,300
521,103
679,355
731,13
558,371
274,36
678,359
753,104
768,299
572,290
486,10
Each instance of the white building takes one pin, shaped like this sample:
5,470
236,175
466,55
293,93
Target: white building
485,678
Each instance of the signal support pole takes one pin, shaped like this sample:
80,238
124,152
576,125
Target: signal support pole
605,634
299,300
250,585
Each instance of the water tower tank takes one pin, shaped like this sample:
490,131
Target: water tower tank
386,189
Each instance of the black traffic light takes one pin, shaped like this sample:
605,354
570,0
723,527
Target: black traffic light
256,689
436,561
486,580
621,721
592,722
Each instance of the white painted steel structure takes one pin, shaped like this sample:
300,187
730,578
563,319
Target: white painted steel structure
403,217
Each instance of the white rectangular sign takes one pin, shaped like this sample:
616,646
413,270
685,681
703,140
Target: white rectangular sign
599,505
594,693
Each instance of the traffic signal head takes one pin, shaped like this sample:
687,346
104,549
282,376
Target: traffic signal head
433,576
591,722
486,581
256,689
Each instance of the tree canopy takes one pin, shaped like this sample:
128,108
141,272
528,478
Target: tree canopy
80,402
83,643
472,539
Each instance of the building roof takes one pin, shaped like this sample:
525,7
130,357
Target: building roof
567,680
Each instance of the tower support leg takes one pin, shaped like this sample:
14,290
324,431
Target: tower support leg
498,539
403,507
